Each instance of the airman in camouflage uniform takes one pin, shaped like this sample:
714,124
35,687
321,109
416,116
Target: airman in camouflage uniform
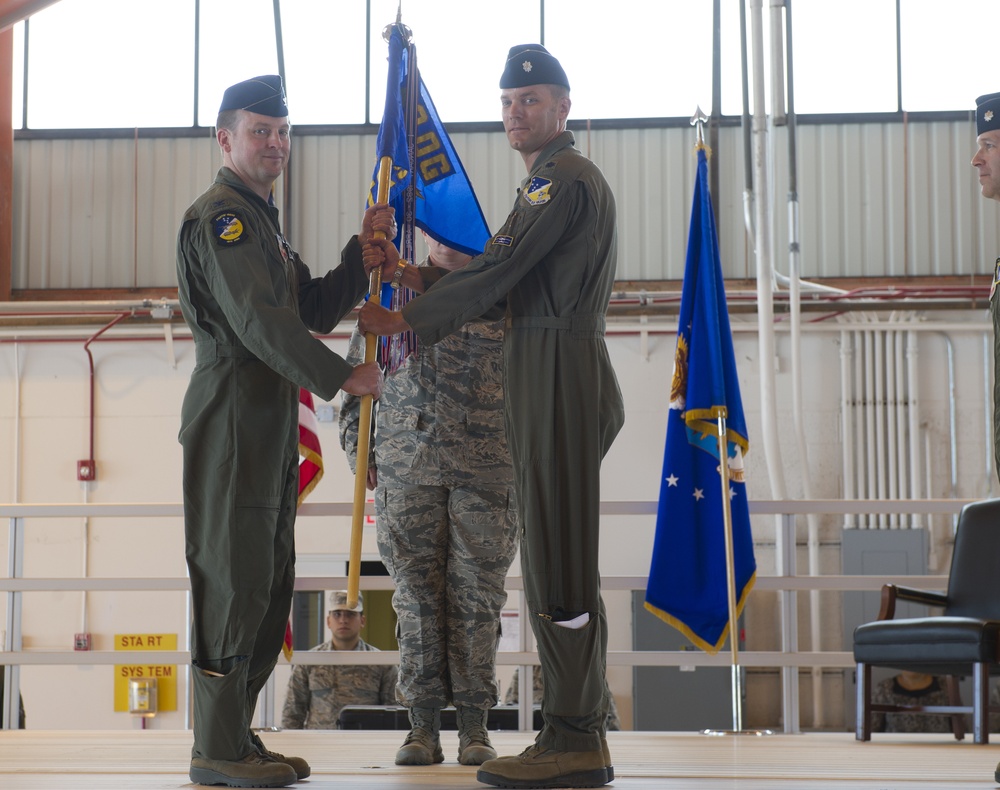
446,527
317,692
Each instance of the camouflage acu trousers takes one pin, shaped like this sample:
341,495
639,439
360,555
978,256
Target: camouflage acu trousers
448,550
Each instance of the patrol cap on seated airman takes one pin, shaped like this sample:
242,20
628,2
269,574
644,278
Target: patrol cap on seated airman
531,64
263,95
987,113
338,602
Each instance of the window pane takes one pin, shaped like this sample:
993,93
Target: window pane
97,63
237,43
945,64
461,50
324,46
845,56
633,58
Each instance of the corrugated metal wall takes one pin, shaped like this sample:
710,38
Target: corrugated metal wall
874,201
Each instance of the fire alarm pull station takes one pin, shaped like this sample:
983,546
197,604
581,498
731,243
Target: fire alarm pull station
86,470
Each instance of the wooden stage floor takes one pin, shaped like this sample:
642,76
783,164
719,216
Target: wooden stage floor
158,760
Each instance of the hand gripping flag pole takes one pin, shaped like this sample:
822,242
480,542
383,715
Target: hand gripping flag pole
365,424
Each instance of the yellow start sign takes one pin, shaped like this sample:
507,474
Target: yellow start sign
164,674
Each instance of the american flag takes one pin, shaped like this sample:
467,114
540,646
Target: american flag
310,471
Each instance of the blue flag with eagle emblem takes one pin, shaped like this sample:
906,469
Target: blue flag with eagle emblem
688,586
446,205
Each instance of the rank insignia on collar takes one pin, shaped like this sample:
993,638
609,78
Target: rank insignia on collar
505,241
537,192
228,228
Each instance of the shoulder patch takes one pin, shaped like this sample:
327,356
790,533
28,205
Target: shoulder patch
227,228
537,191
503,240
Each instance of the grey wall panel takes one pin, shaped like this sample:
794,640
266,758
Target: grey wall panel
875,201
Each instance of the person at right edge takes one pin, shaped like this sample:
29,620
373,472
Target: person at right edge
554,262
987,162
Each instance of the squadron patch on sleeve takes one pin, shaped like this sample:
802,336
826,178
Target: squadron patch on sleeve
503,240
537,191
227,228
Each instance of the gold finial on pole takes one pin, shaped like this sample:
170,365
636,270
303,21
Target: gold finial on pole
698,120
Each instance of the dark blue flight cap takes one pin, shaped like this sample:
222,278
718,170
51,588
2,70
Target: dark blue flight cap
987,113
263,95
531,64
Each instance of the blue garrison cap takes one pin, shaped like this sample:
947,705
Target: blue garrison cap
263,95
987,113
531,64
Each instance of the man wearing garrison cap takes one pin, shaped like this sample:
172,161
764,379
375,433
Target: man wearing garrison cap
987,162
251,302
552,265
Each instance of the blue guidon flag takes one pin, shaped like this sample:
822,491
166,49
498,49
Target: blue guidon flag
441,200
688,585
446,205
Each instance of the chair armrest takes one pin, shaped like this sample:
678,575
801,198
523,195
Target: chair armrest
892,592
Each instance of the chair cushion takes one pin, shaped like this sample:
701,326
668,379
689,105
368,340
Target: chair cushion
928,642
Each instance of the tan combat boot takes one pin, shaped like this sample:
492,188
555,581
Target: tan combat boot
423,743
538,767
254,770
300,766
474,747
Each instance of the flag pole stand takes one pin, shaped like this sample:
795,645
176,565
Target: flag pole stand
698,121
737,676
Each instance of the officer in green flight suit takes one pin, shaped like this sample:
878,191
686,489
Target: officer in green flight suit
987,162
250,303
553,262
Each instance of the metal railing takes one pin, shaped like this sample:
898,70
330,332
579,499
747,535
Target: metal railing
785,581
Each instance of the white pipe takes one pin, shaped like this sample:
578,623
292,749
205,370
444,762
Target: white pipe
805,284
893,435
913,429
17,422
765,268
901,412
868,383
847,421
778,115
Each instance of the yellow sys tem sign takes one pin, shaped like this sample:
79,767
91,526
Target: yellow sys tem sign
165,674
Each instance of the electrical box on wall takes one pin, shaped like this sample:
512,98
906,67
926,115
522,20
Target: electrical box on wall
86,470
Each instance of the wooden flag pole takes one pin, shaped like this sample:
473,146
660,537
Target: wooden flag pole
365,423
